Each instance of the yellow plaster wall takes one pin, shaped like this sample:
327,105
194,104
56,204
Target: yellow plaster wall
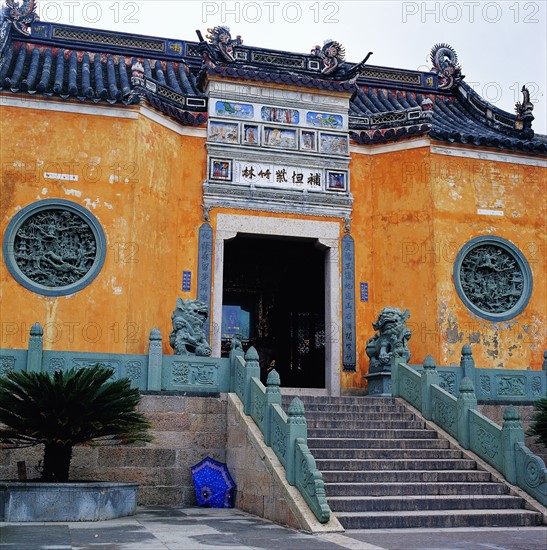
391,212
143,183
413,212
460,187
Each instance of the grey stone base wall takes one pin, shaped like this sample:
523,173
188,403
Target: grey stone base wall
186,430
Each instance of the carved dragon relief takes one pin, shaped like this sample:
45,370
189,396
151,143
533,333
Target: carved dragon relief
188,334
221,40
333,59
332,54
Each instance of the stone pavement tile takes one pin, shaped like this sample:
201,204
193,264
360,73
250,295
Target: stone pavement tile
115,537
197,528
515,538
174,528
27,537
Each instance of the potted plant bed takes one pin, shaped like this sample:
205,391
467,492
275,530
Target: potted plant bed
67,408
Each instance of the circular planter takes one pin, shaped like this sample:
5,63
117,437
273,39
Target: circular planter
84,501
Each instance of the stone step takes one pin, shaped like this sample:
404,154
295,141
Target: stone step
387,454
366,424
370,416
424,488
361,410
401,464
357,443
405,476
423,502
374,434
343,399
383,470
439,519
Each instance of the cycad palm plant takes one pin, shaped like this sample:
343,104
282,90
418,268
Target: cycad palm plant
66,409
538,427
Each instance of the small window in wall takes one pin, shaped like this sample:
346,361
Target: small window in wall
54,247
493,278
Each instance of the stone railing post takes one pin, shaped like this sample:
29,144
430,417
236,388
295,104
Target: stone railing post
35,348
511,433
396,360
297,428
236,350
429,376
467,364
273,397
155,360
467,400
252,370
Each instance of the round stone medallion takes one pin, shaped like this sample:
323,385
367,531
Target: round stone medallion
493,278
54,247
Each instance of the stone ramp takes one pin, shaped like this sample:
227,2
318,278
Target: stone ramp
384,469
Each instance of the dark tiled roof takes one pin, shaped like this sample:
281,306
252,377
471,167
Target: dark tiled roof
387,104
379,115
84,75
173,110
280,77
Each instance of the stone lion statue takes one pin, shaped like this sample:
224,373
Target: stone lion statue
188,336
391,338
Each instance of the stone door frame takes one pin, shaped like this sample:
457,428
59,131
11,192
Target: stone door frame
327,236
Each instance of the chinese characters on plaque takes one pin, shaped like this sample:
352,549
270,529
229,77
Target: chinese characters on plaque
277,175
205,267
348,304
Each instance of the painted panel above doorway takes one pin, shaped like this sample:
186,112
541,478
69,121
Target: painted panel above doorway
277,150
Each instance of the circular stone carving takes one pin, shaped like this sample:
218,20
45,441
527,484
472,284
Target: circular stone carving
54,247
493,278
532,473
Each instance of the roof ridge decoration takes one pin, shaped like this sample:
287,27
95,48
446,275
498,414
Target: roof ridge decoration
221,40
445,65
524,109
333,57
329,63
21,14
332,54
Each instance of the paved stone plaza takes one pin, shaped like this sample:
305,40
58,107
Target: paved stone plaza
175,528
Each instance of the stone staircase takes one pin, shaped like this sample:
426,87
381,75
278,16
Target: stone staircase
384,470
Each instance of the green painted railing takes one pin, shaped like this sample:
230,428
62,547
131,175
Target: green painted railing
152,371
285,433
499,385
500,446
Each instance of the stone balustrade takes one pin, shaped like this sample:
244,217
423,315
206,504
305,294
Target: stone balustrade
500,446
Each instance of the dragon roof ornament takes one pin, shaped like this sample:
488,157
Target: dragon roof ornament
445,65
221,40
332,54
21,14
333,57
524,109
